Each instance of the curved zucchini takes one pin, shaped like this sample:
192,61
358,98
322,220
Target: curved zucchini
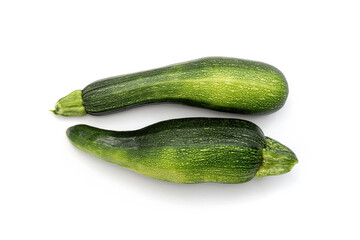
189,150
218,83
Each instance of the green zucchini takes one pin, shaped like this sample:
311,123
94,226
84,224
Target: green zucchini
218,83
189,150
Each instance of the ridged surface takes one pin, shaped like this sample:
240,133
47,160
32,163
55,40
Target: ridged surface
191,150
224,84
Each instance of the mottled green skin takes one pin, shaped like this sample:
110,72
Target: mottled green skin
224,84
189,150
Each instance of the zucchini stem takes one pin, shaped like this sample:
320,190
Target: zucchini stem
277,159
70,105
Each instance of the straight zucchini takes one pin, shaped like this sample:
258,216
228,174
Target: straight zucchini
189,150
217,83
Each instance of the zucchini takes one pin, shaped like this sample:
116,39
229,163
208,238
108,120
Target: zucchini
218,83
189,150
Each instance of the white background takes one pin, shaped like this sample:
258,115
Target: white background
51,190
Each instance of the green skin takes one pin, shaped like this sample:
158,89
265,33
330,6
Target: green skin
189,150
223,84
